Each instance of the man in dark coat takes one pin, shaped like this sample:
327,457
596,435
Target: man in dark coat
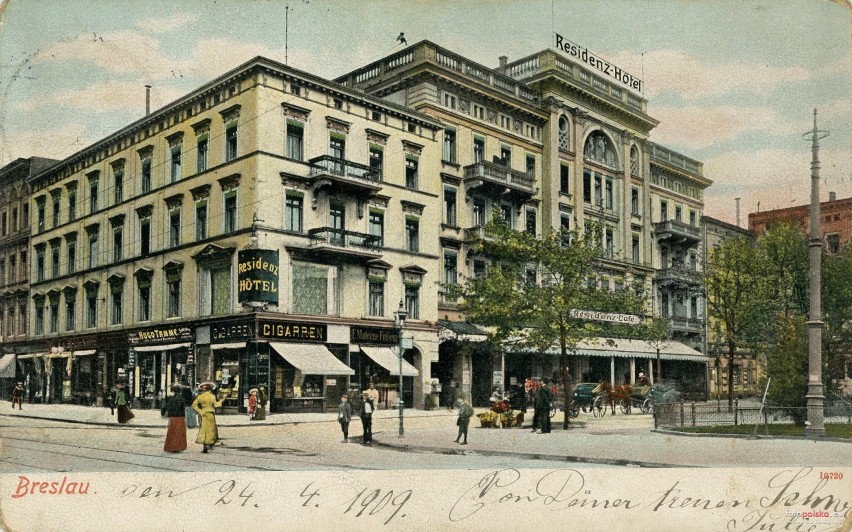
18,395
544,402
366,415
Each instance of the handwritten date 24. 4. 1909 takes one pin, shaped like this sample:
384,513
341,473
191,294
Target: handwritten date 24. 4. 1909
366,502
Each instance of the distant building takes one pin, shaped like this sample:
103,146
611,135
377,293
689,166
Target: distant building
748,369
836,221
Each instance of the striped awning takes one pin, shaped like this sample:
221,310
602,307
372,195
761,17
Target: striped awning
7,366
618,347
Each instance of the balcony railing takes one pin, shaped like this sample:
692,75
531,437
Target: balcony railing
480,232
339,238
679,323
671,229
683,274
343,170
501,175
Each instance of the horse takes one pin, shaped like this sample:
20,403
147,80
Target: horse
619,394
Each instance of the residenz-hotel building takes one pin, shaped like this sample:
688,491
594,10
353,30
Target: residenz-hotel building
348,198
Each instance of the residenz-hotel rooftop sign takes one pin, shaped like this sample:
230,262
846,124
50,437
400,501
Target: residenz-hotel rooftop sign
583,54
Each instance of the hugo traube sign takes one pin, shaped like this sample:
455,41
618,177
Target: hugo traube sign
257,275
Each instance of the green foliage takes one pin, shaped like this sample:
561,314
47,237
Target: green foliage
787,366
837,314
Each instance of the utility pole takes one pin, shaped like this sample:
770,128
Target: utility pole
815,426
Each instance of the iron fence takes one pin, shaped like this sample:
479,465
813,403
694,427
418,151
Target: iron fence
692,414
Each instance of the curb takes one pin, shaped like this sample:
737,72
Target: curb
748,436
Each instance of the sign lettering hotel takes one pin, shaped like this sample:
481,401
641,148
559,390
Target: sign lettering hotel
583,54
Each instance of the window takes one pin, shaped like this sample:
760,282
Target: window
201,220
530,277
337,220
41,214
175,173
693,307
117,243
635,249
93,196
295,89
506,156
506,215
174,227
93,249
478,149
530,165
376,225
13,270
608,194
664,210
450,145
587,186
451,268
478,212
202,149
531,221
478,111
70,309
412,301
24,266
72,255
146,175
231,142
832,243
411,175
118,183
692,217
295,140
377,162
634,201
230,211
173,296
293,208
3,271
375,116
215,289
564,179
634,161
664,305
450,206
39,318
678,212
377,298
3,224
117,300
609,247
338,103
91,308
72,205
412,127
412,234
55,213
563,133
314,288
25,220
39,264
449,101
598,191
144,299
145,236
505,121
564,223
337,148
54,259
480,268
14,219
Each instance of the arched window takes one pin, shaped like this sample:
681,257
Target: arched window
634,161
563,133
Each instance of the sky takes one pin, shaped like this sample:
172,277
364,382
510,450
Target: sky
732,83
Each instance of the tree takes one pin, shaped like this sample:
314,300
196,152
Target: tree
787,366
736,295
531,312
837,314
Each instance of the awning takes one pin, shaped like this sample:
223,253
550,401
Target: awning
229,345
30,355
166,347
618,347
64,354
461,331
387,358
311,359
85,352
7,366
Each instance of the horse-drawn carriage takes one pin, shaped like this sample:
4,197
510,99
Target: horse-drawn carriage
625,396
583,398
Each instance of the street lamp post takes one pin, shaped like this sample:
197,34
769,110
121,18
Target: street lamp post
815,395
399,320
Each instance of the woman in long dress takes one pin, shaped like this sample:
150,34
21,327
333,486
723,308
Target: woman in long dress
176,435
121,401
262,398
189,413
205,404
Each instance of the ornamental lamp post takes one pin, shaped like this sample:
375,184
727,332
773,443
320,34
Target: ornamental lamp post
399,320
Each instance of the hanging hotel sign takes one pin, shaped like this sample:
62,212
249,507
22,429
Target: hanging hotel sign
160,335
292,331
593,315
257,275
583,54
373,335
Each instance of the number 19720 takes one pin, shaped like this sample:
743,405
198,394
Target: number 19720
830,475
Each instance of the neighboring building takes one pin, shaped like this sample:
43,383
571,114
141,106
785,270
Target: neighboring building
836,221
14,269
247,233
550,144
748,368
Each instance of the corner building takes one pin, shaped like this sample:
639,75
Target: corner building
248,233
550,144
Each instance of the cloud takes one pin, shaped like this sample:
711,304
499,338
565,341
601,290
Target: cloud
696,127
103,97
165,25
61,141
122,52
670,71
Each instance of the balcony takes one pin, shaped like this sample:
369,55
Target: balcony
681,324
500,179
679,275
677,232
481,232
344,175
339,243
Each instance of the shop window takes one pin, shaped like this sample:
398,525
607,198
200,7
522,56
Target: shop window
450,145
295,140
450,206
293,212
377,162
314,288
215,289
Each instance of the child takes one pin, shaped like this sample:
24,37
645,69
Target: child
252,405
344,416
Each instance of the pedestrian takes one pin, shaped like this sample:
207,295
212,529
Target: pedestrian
367,409
463,422
18,395
536,400
175,410
262,398
545,400
189,414
205,405
344,416
373,393
121,398
252,403
450,395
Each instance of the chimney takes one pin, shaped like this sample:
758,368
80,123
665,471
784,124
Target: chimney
503,61
147,100
832,196
738,210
